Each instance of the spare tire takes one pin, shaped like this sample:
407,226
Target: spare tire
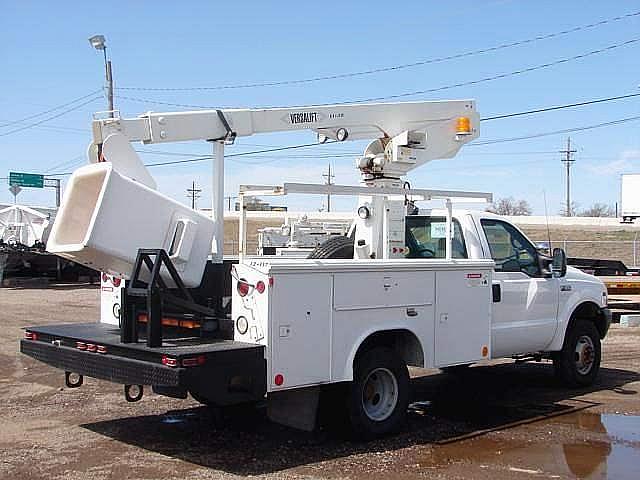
336,247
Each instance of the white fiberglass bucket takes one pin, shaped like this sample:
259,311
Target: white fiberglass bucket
106,217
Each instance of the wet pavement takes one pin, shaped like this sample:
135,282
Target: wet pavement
495,422
600,446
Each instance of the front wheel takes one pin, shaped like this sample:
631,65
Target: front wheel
578,363
379,394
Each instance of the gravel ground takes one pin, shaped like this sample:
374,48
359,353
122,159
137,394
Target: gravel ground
497,421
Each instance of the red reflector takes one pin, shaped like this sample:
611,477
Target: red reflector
278,379
91,347
81,345
271,281
105,277
116,281
30,335
101,349
260,287
474,275
169,362
243,287
194,361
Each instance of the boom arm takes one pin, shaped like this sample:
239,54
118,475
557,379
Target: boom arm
409,134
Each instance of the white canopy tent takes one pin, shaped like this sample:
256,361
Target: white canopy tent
20,224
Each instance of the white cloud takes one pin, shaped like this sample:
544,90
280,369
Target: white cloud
623,163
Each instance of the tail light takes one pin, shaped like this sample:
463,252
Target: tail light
194,361
243,287
31,336
92,347
81,345
105,277
116,281
260,287
169,361
101,349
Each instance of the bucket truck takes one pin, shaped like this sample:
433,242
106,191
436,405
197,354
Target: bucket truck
441,289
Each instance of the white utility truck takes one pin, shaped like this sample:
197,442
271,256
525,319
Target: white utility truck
440,289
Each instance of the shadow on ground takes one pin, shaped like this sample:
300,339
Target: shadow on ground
55,286
484,398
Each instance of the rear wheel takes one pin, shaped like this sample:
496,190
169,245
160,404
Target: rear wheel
379,394
578,362
336,247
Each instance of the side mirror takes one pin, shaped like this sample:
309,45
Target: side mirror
559,264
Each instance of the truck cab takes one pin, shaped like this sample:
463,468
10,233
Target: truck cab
532,305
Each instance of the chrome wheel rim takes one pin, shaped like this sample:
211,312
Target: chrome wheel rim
585,354
379,394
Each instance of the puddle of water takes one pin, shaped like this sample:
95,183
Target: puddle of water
593,446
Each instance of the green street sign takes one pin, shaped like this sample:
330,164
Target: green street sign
22,179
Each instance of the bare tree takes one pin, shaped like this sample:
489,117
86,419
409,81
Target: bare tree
510,206
598,210
572,213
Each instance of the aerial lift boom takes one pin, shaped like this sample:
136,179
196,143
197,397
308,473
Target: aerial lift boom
404,136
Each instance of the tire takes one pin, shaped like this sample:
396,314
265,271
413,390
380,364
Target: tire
336,247
578,363
378,397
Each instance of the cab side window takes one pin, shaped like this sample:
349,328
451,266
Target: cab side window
426,238
510,249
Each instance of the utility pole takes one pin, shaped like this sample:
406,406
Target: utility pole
228,199
194,194
54,183
568,160
329,176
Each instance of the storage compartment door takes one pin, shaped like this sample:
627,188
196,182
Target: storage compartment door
463,317
300,329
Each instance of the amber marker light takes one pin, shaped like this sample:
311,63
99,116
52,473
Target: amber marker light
463,126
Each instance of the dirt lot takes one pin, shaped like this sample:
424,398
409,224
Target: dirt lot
501,421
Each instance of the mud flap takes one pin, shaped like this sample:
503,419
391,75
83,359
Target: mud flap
294,408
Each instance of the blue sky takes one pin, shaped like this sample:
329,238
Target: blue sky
46,61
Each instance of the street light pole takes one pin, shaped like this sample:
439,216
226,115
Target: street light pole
99,43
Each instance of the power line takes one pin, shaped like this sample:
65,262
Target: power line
394,67
66,163
490,78
559,107
555,132
156,102
500,75
53,109
64,112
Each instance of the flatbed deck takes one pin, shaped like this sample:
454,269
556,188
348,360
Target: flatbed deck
109,336
183,363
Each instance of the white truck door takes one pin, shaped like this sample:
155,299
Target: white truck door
525,311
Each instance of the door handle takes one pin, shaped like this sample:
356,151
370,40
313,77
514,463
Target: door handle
412,312
496,292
